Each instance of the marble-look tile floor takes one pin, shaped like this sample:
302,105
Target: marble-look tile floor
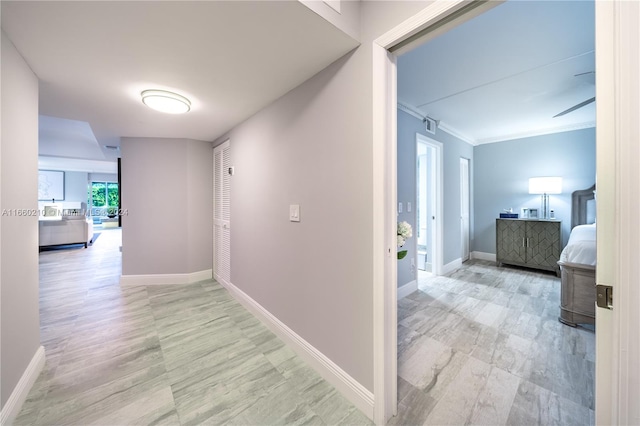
484,346
174,355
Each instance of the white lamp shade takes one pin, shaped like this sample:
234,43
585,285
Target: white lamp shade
545,185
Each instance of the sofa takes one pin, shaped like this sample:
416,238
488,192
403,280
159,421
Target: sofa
65,230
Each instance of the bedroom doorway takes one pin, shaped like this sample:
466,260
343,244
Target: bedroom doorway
398,40
429,203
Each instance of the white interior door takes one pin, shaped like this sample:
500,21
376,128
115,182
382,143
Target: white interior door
464,207
617,384
433,202
222,213
424,229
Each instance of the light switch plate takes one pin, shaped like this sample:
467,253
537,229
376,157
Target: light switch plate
408,206
400,207
294,213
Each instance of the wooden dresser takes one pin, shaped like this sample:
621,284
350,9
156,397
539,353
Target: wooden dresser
534,243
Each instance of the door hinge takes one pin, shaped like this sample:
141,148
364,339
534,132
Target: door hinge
604,296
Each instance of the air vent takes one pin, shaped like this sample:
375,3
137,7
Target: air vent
112,147
430,125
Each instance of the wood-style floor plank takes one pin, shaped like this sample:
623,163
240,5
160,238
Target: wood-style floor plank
166,354
483,345
479,346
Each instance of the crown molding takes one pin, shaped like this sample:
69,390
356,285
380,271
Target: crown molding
537,132
409,110
455,132
499,138
440,125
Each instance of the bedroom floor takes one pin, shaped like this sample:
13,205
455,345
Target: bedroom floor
484,346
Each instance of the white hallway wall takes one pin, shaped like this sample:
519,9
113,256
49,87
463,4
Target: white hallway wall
313,147
20,316
166,193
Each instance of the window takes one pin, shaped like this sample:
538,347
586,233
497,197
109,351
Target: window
105,195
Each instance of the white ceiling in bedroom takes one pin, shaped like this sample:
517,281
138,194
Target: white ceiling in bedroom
506,73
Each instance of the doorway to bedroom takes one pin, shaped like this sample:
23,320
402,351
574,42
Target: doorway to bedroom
481,343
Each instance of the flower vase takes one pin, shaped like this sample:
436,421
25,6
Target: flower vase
402,254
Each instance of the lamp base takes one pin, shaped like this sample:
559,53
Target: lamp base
545,206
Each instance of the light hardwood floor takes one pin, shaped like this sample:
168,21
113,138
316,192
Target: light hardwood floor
483,345
176,355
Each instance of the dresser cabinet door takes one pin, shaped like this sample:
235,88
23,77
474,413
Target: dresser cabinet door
543,244
510,244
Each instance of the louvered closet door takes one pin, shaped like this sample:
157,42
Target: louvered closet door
222,213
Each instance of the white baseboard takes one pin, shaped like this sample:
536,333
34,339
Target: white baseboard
163,279
491,257
407,289
221,281
452,266
19,395
350,388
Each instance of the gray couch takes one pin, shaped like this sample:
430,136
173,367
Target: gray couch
67,230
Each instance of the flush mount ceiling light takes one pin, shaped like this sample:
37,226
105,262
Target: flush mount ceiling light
164,101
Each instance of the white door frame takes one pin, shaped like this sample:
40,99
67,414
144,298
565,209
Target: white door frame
465,198
617,44
437,238
384,143
617,389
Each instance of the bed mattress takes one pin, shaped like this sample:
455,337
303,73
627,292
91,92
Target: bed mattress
581,248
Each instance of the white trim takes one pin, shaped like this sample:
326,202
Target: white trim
617,133
221,280
429,16
438,160
164,279
409,110
203,275
457,133
440,124
497,138
452,266
21,391
627,291
384,232
384,179
407,289
465,199
350,388
537,132
480,255
606,366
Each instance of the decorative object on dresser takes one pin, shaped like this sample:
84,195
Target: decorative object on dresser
578,263
529,242
545,186
509,214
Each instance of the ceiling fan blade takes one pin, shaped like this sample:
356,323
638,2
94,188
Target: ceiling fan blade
575,107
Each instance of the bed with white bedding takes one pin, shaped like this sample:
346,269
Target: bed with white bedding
578,265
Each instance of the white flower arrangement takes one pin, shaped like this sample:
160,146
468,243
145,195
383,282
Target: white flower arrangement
404,233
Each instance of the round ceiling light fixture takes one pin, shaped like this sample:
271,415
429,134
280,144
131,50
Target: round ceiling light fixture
164,101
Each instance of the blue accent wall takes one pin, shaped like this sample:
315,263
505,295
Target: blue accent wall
502,171
453,149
